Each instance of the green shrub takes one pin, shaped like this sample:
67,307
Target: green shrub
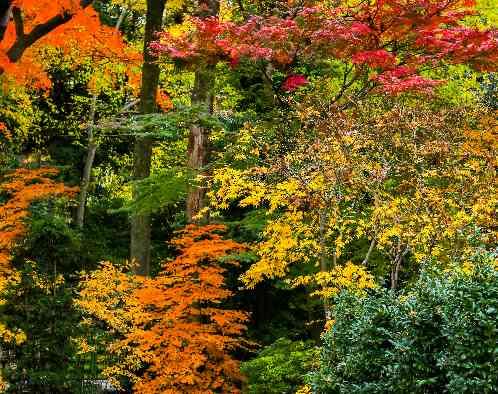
280,368
439,337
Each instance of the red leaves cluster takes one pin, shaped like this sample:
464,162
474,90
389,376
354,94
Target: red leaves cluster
379,58
292,82
390,41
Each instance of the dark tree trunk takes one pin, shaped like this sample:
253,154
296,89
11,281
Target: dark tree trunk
396,267
324,266
5,11
140,223
198,144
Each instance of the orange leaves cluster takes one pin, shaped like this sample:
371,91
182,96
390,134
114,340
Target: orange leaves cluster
81,37
22,187
483,143
27,72
39,11
173,324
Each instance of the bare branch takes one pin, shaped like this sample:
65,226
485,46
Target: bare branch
369,252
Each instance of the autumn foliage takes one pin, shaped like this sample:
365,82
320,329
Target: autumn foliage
389,43
68,27
22,187
172,325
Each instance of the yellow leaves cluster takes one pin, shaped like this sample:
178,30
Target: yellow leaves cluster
350,276
441,207
135,5
140,6
106,296
287,240
414,181
3,385
18,336
306,389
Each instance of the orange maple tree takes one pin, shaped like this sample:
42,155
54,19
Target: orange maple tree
29,27
22,187
173,324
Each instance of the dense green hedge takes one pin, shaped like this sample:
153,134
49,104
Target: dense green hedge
439,337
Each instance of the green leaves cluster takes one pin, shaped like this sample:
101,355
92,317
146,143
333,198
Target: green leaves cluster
439,337
280,368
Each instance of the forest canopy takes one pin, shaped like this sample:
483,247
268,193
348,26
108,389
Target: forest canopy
217,196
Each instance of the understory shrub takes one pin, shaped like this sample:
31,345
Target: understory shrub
440,336
280,368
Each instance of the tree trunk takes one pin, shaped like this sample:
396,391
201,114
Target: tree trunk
92,148
198,144
397,267
120,19
369,252
87,171
324,267
140,223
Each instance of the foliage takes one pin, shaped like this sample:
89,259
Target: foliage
21,188
39,306
32,299
70,27
437,336
171,325
280,368
406,182
159,190
352,146
377,39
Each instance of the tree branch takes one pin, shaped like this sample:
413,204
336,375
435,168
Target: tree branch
19,23
5,12
369,252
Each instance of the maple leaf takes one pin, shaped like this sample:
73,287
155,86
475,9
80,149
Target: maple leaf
292,82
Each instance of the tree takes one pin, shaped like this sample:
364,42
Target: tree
140,222
355,52
21,188
438,336
172,326
112,62
397,178
379,46
203,95
20,328
40,25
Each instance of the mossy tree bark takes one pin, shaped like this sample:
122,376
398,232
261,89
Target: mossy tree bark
198,144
